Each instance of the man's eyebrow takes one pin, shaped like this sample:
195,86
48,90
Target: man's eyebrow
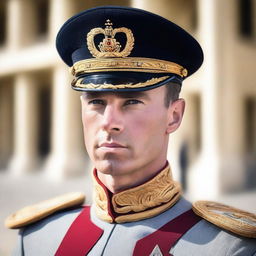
123,95
130,95
91,95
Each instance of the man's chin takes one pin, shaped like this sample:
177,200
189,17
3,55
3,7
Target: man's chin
105,166
110,167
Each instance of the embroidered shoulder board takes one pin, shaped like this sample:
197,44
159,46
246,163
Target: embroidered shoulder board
232,219
36,212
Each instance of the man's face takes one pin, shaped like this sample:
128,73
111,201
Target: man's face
126,133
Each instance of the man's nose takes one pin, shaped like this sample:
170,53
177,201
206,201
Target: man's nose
112,120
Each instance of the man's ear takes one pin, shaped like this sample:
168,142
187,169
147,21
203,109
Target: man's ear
175,114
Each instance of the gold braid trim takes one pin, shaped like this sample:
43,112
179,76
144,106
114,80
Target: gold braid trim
101,202
230,218
135,64
43,209
142,202
153,193
148,213
149,82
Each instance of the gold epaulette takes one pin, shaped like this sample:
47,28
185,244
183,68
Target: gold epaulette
36,212
229,218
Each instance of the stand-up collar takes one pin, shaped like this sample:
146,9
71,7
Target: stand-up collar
144,201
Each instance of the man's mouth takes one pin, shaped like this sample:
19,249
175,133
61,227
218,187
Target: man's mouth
111,145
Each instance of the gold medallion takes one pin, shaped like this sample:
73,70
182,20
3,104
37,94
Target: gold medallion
110,47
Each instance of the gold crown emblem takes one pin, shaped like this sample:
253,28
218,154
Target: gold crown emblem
110,47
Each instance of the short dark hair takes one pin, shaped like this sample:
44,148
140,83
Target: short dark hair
172,93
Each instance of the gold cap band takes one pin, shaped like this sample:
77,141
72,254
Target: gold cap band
134,64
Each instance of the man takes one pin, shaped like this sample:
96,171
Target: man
129,65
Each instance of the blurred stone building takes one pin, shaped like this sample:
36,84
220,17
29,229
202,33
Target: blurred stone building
40,128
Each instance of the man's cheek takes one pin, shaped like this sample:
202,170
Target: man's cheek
88,142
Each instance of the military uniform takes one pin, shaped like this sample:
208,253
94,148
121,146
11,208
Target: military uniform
135,51
204,238
97,234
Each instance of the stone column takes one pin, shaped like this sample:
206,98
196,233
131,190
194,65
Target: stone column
233,133
67,156
60,11
6,124
231,114
204,173
21,23
21,30
25,125
254,125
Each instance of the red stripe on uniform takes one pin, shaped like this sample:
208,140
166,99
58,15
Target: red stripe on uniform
81,236
167,235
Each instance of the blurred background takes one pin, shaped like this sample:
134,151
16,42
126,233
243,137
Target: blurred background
42,154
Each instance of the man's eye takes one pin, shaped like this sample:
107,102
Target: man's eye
132,101
96,102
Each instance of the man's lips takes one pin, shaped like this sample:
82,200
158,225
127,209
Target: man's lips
111,145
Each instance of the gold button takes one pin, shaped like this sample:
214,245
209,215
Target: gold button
184,72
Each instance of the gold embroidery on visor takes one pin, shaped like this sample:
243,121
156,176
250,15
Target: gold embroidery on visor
149,82
134,64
